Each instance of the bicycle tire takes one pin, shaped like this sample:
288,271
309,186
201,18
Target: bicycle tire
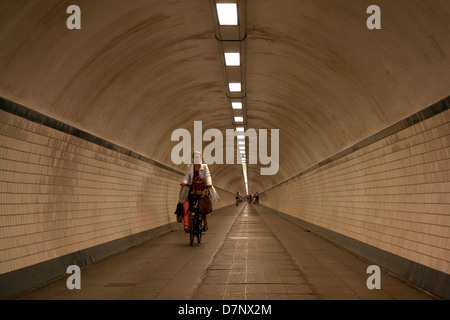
191,238
192,232
199,231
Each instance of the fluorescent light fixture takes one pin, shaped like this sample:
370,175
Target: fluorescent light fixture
241,142
240,129
232,59
240,137
227,14
242,151
236,105
235,86
242,148
239,119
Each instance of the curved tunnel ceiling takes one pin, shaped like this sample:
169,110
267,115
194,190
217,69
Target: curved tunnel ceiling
138,70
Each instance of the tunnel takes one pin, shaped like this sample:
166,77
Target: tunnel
340,123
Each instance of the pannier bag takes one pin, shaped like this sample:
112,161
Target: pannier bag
204,204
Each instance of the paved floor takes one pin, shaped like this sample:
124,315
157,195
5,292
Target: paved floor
253,265
248,253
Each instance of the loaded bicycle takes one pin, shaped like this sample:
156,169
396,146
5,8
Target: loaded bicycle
196,230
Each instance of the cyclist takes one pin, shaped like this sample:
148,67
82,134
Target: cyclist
199,178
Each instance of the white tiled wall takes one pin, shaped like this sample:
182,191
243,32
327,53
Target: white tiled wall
60,194
393,194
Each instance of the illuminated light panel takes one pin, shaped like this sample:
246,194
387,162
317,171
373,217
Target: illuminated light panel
227,14
232,59
236,105
235,86
239,119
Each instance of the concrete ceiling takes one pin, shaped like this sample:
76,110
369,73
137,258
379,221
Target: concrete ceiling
138,70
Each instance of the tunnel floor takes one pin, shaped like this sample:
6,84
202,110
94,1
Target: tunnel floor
249,253
253,264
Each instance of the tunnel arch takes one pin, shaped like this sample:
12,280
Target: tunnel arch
139,70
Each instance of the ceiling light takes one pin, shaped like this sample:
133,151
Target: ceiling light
241,137
235,86
240,129
241,142
232,59
236,105
238,119
227,14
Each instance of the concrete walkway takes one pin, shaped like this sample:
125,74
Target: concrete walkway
248,253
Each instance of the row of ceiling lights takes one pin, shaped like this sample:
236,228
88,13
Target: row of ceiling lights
230,31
